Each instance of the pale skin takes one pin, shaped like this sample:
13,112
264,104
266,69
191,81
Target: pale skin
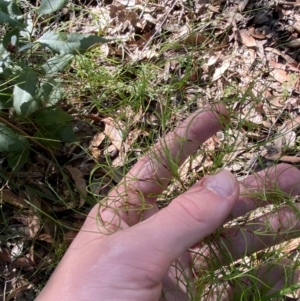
127,252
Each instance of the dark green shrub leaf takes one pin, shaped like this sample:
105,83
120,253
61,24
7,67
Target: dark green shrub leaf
10,13
73,43
11,141
57,63
52,117
24,92
17,159
50,92
15,146
6,100
55,124
11,39
66,134
11,8
50,6
5,18
47,138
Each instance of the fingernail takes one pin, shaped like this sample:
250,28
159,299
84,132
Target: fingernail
222,183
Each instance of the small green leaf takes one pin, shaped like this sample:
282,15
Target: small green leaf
50,6
11,8
47,138
5,18
73,43
52,117
17,159
57,63
11,141
15,146
6,98
50,92
24,92
66,134
11,38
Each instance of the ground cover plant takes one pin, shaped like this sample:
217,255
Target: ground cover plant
86,87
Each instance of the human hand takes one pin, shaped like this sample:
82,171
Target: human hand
129,250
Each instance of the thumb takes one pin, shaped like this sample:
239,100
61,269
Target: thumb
190,217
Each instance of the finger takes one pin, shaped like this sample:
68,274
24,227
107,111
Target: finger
190,217
178,284
231,244
282,177
150,176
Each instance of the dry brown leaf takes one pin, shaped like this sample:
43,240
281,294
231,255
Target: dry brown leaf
32,221
293,44
254,34
11,198
213,58
247,39
220,70
34,225
19,262
18,290
95,143
288,58
113,132
242,5
80,183
46,237
280,75
287,66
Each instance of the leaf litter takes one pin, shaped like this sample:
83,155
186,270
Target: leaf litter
244,53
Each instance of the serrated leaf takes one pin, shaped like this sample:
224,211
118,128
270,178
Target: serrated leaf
24,92
66,134
10,140
11,8
65,44
49,117
11,38
50,6
5,18
17,159
6,98
47,138
57,63
15,146
55,96
50,92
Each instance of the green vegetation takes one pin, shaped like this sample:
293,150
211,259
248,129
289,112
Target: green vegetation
80,102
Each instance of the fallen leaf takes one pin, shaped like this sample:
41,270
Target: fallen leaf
247,39
280,75
18,290
95,144
288,58
242,5
220,70
213,58
45,237
114,134
293,44
80,183
11,198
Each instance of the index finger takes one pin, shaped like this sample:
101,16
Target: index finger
152,173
